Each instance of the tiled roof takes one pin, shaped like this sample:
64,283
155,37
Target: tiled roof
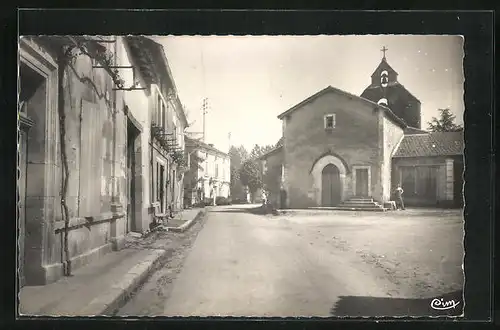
412,130
431,144
277,147
202,145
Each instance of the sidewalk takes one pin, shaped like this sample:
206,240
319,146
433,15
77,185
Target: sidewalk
102,287
183,220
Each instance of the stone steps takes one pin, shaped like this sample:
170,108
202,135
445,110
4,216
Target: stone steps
372,209
345,208
361,204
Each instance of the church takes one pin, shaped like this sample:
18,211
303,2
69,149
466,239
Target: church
343,151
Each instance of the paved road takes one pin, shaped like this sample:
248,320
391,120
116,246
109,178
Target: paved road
243,264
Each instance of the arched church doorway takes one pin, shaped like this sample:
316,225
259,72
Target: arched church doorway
330,186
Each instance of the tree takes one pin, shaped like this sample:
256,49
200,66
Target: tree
266,149
237,156
258,151
250,175
445,122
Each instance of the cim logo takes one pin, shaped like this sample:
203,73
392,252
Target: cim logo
441,305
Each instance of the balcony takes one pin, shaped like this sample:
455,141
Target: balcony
166,140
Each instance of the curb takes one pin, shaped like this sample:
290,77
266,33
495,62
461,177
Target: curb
188,223
107,304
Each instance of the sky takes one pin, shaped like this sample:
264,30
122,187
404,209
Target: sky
250,80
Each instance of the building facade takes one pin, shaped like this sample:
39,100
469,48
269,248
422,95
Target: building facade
85,109
166,125
209,174
338,147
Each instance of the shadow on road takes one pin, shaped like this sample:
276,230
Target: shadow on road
373,306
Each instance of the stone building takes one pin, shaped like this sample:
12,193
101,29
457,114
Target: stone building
209,174
338,148
163,162
85,107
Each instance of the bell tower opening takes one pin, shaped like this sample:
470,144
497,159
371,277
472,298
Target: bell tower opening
386,90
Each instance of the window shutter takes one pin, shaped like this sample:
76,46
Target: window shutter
90,160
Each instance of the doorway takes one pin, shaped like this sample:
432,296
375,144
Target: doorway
173,182
330,187
32,102
132,134
22,168
162,188
362,182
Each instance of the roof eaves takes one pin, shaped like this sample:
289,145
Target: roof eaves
307,100
428,155
270,152
331,88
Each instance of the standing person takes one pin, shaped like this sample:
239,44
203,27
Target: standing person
399,198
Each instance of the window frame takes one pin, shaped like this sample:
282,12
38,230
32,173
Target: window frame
325,121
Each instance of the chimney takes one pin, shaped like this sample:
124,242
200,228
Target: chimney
211,145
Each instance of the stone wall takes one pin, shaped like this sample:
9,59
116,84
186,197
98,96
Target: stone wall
392,136
138,106
354,140
95,149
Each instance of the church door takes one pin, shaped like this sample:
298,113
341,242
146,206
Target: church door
362,182
330,189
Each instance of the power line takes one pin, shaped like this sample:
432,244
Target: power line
204,111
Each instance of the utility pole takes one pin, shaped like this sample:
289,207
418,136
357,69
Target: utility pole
205,110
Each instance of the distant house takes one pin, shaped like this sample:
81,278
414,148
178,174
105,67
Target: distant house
209,174
337,147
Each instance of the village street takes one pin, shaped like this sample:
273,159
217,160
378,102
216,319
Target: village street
311,263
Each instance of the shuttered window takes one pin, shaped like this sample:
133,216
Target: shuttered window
329,121
90,160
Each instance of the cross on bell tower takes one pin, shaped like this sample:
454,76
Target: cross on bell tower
384,49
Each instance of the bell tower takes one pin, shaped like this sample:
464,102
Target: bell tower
384,72
386,90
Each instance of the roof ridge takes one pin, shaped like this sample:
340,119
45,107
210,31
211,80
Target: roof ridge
348,94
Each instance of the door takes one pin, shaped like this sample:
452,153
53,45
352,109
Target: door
162,188
173,181
362,182
131,176
22,203
426,186
330,192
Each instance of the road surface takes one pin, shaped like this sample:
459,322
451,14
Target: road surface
310,264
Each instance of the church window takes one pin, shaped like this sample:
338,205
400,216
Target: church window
384,78
329,121
383,101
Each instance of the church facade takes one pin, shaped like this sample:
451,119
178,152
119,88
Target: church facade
337,147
